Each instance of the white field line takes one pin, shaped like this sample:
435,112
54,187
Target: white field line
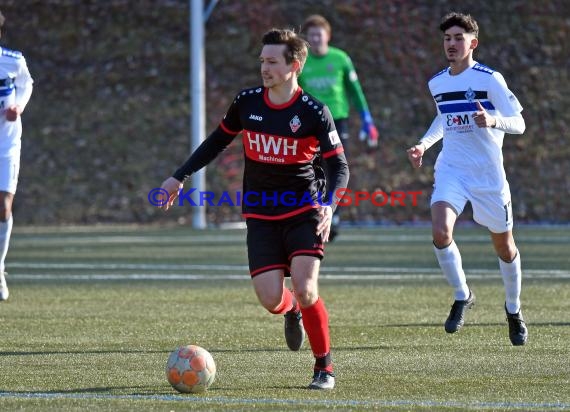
238,238
104,271
222,400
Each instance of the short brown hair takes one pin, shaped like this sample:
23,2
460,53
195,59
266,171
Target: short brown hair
2,19
465,21
316,20
296,49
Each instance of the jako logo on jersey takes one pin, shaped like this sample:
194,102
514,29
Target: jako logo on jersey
457,120
278,146
256,117
295,124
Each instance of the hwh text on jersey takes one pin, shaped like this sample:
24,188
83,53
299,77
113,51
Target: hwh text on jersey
270,145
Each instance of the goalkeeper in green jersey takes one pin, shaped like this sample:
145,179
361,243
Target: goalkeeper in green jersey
329,75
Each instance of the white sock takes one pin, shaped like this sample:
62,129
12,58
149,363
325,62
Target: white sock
5,232
512,276
449,260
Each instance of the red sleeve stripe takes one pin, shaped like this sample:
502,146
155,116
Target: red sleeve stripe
280,217
228,131
334,152
268,268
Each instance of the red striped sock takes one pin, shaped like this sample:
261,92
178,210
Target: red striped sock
316,323
286,303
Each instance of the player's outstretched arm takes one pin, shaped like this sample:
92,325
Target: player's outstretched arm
368,131
204,154
172,186
415,155
433,135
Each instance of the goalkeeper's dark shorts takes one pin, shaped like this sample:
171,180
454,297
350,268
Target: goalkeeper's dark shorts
272,244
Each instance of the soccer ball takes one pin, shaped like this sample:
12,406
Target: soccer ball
190,369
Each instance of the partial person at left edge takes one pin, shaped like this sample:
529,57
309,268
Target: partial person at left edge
16,85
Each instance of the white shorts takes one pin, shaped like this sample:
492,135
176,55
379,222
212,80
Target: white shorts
9,171
487,189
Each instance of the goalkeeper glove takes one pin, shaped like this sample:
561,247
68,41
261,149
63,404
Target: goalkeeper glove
368,131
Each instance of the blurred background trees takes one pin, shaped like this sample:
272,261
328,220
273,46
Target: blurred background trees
109,117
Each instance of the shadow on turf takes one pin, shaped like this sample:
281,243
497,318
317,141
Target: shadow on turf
136,390
84,352
76,352
468,324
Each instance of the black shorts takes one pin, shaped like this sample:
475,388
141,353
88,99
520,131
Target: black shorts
271,244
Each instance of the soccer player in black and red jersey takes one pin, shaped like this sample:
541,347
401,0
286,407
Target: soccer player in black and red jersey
288,218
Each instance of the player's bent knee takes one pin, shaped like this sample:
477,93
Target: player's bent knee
507,253
270,302
441,237
306,296
5,214
505,248
270,307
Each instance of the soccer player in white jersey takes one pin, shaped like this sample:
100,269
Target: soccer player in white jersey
15,91
475,109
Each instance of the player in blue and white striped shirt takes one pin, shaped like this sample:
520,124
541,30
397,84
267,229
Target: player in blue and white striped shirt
475,109
15,91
